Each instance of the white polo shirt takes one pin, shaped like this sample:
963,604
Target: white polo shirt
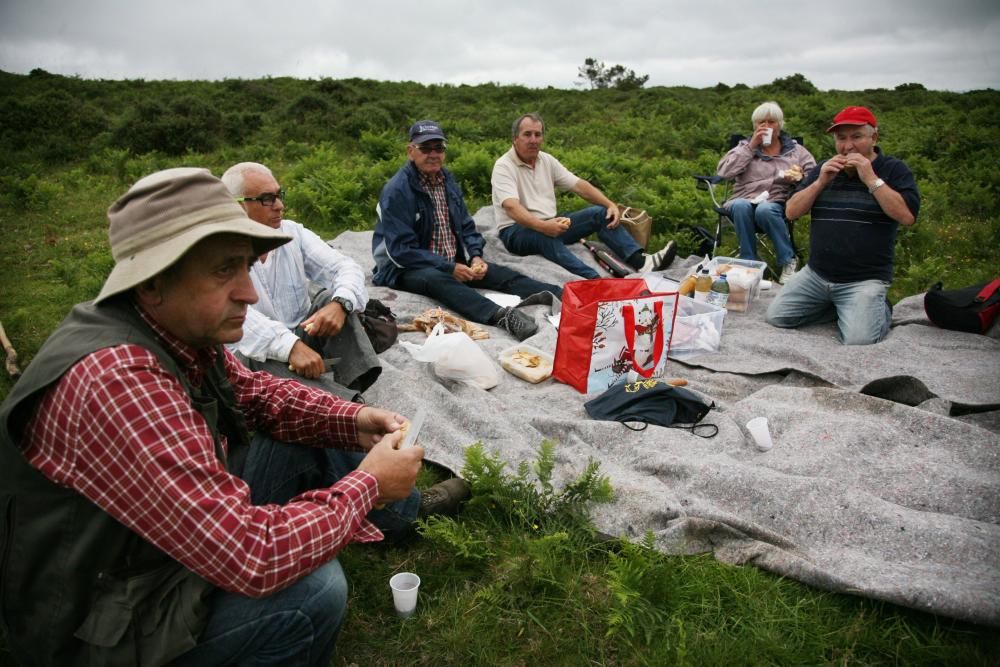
535,187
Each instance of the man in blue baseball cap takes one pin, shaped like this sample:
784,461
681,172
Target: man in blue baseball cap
426,242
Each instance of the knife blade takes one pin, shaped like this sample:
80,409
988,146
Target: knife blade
410,438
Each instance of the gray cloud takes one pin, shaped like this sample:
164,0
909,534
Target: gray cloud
953,46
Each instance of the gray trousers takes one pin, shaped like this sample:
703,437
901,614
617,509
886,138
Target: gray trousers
355,364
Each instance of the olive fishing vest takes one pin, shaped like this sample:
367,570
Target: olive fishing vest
76,586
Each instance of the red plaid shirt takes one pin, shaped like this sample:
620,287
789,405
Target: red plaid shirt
443,238
119,429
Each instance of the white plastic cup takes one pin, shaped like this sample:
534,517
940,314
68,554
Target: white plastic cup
760,433
404,593
768,134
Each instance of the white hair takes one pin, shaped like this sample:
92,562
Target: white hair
768,111
235,177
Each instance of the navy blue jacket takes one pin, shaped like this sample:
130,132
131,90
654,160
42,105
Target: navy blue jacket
406,222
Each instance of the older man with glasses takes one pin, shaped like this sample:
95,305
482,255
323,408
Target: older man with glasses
426,242
306,319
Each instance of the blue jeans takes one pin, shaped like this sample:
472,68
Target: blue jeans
523,241
767,217
861,310
463,297
299,624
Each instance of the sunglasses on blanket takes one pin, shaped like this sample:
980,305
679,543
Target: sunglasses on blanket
266,198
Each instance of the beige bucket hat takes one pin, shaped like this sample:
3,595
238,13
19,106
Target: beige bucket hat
164,215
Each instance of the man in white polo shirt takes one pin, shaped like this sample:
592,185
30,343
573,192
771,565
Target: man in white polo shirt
524,201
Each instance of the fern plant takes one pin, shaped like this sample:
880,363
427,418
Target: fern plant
526,503
529,498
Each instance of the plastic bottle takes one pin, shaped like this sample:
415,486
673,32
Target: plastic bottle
686,287
719,294
702,285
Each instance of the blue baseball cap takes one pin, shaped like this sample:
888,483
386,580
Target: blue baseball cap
425,130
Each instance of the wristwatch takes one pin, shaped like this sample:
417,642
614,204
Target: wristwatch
875,186
346,304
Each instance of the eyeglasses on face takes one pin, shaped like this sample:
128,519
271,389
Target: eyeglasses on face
266,198
427,149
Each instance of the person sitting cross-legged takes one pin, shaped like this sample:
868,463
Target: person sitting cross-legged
173,506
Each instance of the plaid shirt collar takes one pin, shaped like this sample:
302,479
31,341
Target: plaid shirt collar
431,180
194,361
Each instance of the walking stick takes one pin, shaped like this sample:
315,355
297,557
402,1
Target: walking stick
11,362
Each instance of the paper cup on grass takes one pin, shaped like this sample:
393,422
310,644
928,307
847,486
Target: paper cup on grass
760,433
404,593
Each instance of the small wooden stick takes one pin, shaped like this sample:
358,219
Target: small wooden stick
11,362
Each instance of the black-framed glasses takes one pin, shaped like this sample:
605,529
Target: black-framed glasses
266,198
427,149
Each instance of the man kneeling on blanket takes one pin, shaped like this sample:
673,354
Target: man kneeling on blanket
858,199
426,242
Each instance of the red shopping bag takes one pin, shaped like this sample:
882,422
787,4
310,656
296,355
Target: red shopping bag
612,330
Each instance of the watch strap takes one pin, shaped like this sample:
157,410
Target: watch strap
875,186
346,304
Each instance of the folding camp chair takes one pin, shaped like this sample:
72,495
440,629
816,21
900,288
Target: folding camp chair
718,190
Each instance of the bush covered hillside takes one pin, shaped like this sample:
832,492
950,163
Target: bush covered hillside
70,146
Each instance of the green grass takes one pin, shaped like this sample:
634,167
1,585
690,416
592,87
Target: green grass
519,578
501,586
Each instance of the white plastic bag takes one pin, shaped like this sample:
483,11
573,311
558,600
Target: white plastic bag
455,357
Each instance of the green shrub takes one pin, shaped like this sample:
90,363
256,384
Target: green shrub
29,192
472,168
174,128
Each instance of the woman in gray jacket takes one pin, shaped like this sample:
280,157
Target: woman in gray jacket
765,169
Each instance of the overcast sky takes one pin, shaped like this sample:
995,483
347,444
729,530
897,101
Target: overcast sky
943,44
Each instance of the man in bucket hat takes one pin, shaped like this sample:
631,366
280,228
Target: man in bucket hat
143,522
858,198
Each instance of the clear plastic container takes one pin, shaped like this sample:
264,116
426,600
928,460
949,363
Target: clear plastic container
526,362
743,276
697,329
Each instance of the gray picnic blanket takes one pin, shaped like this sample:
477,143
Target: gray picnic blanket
884,478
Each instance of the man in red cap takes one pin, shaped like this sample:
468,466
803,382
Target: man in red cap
858,198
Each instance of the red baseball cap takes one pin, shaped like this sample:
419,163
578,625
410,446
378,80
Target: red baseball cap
854,116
